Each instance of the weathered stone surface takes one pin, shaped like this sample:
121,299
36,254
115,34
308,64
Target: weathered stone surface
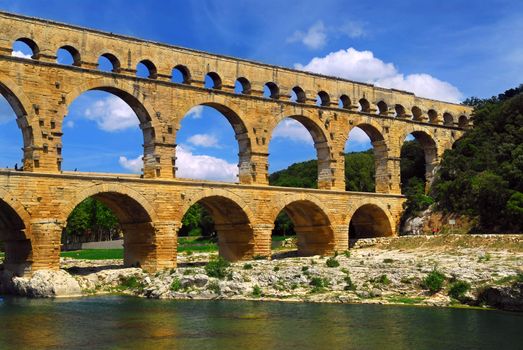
47,284
35,202
504,297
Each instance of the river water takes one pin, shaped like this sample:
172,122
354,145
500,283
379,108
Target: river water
132,323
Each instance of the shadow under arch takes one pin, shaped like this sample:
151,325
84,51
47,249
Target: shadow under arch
15,235
246,173
430,150
232,222
135,215
369,221
321,144
146,113
311,224
30,129
380,150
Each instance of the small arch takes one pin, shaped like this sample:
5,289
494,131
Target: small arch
344,102
146,69
463,121
383,109
400,111
364,106
369,221
418,159
109,63
242,86
323,99
298,95
213,81
271,90
25,48
68,55
416,113
448,119
433,116
181,75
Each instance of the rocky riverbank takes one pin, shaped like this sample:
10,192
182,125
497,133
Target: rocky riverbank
438,271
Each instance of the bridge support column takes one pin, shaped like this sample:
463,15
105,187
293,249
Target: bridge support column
341,237
254,169
387,169
235,241
166,244
326,179
262,239
139,245
47,235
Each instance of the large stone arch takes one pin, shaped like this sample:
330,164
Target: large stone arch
135,215
29,125
238,123
320,137
370,220
379,141
311,223
232,221
148,116
15,234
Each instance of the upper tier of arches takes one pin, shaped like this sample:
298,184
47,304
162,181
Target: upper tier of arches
127,56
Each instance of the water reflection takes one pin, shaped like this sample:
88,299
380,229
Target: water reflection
129,323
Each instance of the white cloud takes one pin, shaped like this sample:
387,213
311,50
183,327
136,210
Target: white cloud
314,38
195,112
69,124
363,66
204,140
112,114
133,165
291,129
20,54
352,29
358,136
203,167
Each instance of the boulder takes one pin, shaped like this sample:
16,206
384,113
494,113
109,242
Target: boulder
47,284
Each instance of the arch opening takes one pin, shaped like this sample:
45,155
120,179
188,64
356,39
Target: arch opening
242,86
146,69
298,95
448,119
271,90
117,217
108,62
230,224
68,55
364,106
15,246
16,150
369,221
399,111
433,116
213,81
383,109
212,143
323,99
25,48
463,121
344,102
102,119
417,164
295,169
365,155
181,75
308,224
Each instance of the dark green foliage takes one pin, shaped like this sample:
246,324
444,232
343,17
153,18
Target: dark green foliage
319,283
176,285
458,289
91,220
383,279
349,284
332,262
283,226
433,282
217,267
483,174
304,175
197,221
256,291
247,266
359,171
132,283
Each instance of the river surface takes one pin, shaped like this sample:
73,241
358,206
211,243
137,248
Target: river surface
132,323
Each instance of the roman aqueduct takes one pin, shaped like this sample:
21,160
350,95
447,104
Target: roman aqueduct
36,202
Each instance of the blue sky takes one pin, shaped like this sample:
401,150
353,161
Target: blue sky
448,50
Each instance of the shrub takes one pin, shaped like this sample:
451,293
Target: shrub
217,267
485,257
131,282
176,285
383,279
332,262
433,282
458,289
347,253
388,261
260,257
304,268
276,268
349,285
319,284
256,291
214,287
247,266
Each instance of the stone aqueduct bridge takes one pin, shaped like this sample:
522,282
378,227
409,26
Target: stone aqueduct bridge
35,203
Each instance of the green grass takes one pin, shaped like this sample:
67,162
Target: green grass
405,300
94,254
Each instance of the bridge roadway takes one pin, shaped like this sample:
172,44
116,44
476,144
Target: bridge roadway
35,203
